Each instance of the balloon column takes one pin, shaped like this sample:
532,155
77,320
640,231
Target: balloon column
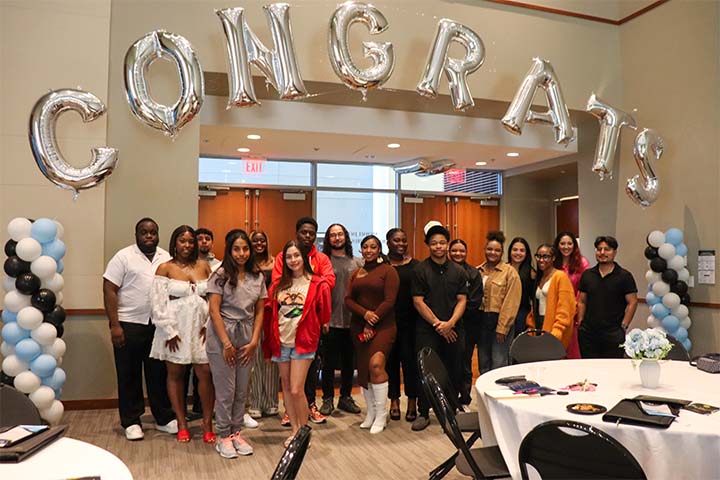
668,297
33,315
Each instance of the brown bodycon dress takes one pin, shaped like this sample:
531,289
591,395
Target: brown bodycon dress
373,287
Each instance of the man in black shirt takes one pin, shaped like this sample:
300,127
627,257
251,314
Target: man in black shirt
607,303
439,292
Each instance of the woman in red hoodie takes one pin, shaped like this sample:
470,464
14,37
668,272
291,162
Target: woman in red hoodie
299,305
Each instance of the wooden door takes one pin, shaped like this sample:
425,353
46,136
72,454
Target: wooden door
471,222
222,213
416,212
567,217
277,216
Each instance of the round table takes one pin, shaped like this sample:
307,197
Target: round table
689,448
68,458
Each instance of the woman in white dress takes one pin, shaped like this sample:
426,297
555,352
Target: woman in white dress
180,314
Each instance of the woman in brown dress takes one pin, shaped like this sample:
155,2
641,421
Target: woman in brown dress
370,297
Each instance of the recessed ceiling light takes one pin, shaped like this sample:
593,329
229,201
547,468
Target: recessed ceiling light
512,154
480,164
254,136
393,145
243,149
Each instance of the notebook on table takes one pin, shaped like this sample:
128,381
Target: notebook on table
629,411
24,449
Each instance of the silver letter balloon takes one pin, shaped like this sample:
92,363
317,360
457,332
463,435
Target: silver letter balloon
644,188
279,66
176,48
455,70
45,149
611,122
541,75
382,54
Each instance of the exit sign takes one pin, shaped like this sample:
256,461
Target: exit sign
254,167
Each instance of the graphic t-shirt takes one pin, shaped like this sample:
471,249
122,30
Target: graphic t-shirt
291,302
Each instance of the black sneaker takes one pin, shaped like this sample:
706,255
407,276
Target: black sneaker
420,423
348,404
327,406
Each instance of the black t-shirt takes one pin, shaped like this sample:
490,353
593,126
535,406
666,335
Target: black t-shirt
475,287
605,304
439,285
404,309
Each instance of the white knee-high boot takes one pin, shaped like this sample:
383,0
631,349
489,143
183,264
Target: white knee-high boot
370,403
380,391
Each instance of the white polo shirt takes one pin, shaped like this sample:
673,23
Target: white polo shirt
131,270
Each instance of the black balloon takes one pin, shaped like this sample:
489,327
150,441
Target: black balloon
60,330
27,283
685,300
658,265
44,300
14,266
681,288
10,248
651,252
6,379
669,276
56,317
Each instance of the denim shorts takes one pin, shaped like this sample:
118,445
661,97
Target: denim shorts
289,353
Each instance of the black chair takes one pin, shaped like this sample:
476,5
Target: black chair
430,363
678,351
290,462
483,462
536,346
17,409
555,453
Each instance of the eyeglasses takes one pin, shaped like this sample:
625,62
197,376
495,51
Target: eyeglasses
542,257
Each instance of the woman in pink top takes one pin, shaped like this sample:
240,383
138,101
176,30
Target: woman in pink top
573,264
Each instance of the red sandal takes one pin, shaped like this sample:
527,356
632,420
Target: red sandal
209,437
183,436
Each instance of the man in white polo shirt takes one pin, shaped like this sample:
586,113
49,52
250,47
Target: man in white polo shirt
126,291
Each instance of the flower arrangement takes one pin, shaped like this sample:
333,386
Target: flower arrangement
649,344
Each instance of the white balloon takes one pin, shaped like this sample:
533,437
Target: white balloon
656,238
56,349
44,267
684,275
671,300
26,382
660,289
13,366
59,361
677,263
55,283
28,249
6,349
16,301
653,322
9,284
43,397
680,312
54,413
652,277
19,228
45,334
686,322
60,229
59,298
666,251
29,318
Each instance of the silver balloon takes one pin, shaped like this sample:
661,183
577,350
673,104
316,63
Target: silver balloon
455,70
437,167
611,122
541,75
381,54
279,66
643,188
414,166
44,145
176,48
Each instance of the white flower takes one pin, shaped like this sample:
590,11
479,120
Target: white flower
651,343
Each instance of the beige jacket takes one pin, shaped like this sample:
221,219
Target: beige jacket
501,293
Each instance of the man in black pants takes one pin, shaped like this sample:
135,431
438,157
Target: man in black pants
439,292
607,303
126,292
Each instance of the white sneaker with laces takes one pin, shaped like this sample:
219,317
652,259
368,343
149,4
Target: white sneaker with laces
171,427
240,444
225,447
249,422
134,432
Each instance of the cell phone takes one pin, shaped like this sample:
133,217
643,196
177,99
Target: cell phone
509,380
19,433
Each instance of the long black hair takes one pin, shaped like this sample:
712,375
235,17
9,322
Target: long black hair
381,256
265,256
526,264
327,249
230,269
173,242
286,279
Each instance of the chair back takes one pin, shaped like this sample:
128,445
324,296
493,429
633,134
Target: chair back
430,363
16,408
536,346
678,351
290,462
589,453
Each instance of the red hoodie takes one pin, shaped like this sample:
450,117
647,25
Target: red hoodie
319,262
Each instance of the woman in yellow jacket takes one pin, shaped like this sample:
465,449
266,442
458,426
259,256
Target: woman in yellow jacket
554,306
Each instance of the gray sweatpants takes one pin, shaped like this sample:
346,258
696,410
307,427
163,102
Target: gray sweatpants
230,382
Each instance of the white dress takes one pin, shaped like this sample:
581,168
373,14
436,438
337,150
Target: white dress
179,309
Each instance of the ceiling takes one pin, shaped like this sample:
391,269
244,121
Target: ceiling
606,11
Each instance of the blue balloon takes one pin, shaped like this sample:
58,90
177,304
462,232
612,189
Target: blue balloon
681,334
681,250
8,316
27,350
58,394
13,333
60,266
687,344
674,236
43,230
659,311
56,380
670,324
44,365
652,299
55,249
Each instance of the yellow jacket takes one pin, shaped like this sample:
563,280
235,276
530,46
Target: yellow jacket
559,309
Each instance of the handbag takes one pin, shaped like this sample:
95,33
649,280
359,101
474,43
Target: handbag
710,362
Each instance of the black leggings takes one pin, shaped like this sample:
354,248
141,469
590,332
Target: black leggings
403,354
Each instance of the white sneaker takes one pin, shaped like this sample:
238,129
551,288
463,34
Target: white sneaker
171,427
249,422
225,447
134,432
240,444
255,412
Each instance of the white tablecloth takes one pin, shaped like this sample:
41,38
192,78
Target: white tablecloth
67,458
689,448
